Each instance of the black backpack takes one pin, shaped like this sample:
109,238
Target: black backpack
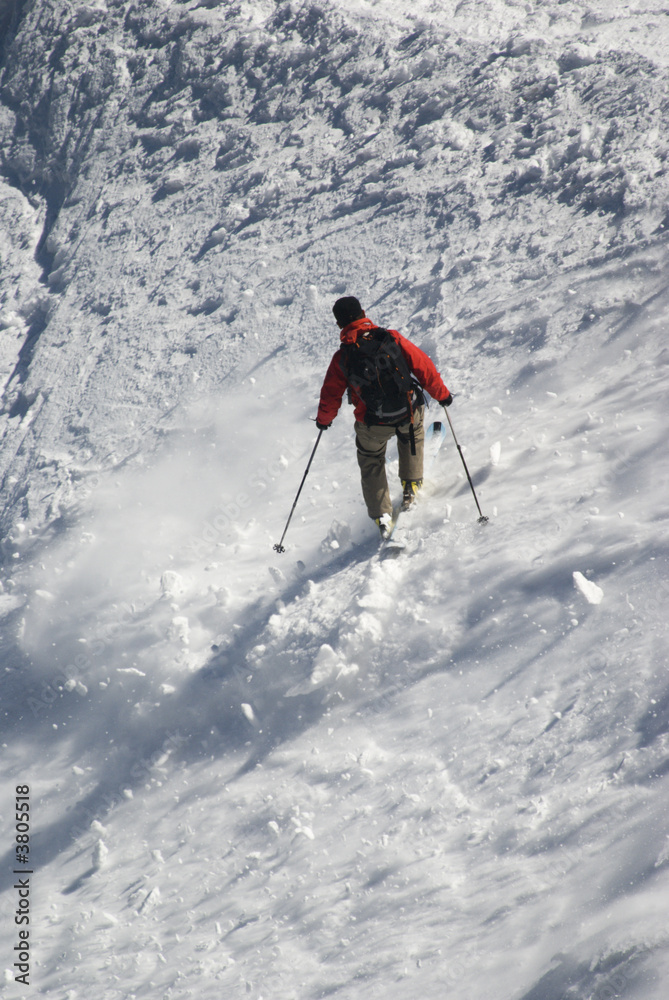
375,368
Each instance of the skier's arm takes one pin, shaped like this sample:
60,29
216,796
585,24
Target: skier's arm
332,391
424,369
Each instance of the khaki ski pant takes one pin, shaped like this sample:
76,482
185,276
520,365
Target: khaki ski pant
371,444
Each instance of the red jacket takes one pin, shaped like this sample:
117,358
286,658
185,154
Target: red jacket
335,385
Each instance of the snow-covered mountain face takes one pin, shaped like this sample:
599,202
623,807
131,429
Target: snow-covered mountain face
186,187
322,773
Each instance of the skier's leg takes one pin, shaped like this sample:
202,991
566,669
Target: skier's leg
371,446
411,466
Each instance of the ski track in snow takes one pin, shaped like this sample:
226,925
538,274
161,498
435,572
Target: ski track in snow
329,773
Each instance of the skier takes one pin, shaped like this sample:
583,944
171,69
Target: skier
384,374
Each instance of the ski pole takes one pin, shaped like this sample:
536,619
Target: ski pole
279,546
482,518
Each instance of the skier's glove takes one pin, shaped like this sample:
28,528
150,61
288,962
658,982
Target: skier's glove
447,401
322,427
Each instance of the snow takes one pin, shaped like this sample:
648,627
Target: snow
592,593
326,773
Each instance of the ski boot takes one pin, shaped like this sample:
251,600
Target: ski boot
410,487
384,523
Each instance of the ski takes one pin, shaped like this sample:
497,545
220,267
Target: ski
434,438
392,544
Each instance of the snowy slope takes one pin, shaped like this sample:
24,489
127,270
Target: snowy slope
202,176
322,773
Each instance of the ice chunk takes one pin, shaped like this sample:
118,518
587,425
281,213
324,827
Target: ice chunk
592,593
100,852
327,665
171,584
179,630
248,712
151,900
339,536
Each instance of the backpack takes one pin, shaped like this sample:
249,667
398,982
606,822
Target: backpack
376,370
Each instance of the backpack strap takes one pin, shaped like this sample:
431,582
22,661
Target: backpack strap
412,436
